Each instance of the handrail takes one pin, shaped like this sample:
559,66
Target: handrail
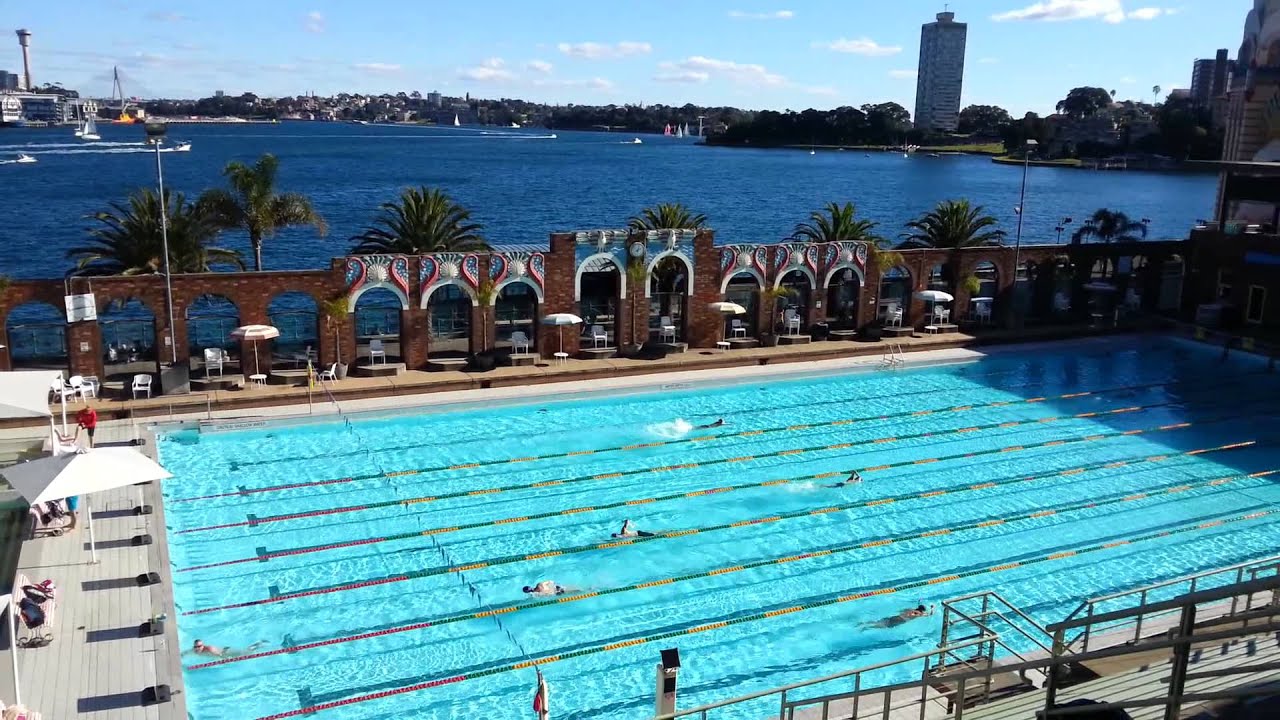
987,628
1200,596
1184,578
992,593
817,681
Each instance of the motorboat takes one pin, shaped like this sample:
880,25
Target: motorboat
23,158
515,126
637,141
552,136
182,147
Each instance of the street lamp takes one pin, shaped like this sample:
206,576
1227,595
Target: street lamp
155,137
1017,243
1062,225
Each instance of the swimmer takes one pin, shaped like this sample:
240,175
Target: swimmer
546,588
708,426
853,478
905,616
629,530
200,648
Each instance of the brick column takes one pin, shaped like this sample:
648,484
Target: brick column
702,328
84,348
6,363
558,297
481,332
415,326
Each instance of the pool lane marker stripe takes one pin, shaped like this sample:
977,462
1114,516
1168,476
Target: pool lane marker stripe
255,521
920,535
677,441
263,554
512,559
416,686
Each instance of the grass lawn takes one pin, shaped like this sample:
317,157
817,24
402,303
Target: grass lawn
1066,162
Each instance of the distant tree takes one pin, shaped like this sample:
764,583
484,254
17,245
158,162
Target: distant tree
986,120
1110,226
1030,127
1082,102
1155,94
129,239
953,224
667,216
423,220
253,205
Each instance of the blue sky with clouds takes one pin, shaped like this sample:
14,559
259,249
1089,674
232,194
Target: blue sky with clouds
1022,54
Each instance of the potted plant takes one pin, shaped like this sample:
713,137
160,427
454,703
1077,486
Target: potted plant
334,309
485,359
771,297
637,276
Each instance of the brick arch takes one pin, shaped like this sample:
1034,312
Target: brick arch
537,291
467,290
782,274
749,271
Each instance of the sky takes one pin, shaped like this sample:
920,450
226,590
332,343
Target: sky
790,54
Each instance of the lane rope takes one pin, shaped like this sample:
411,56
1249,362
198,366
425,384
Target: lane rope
512,559
668,443
418,684
263,555
255,521
849,547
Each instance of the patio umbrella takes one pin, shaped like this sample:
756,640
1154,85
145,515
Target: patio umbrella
726,309
933,297
560,320
84,473
25,394
255,333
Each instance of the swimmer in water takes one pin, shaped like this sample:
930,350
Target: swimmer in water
546,588
708,426
201,648
853,478
901,618
629,530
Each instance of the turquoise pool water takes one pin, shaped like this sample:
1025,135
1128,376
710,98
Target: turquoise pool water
346,582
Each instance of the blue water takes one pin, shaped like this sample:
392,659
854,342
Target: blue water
1226,403
522,186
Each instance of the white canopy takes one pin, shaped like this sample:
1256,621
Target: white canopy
935,296
727,308
63,476
561,319
25,393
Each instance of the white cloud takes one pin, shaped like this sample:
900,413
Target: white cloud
687,76
903,74
491,70
163,16
988,61
1058,10
1150,13
1128,80
603,51
775,15
313,22
377,68
595,83
821,90
745,73
859,46
539,66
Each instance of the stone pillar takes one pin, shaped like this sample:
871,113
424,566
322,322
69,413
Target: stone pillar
415,328
703,325
84,348
557,288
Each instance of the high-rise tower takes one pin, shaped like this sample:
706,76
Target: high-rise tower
941,73
24,39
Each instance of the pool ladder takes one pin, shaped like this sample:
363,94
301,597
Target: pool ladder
893,357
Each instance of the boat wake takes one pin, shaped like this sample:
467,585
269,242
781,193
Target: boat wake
671,429
80,150
85,144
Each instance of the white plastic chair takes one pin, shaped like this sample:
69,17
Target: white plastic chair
982,312
793,321
941,314
1132,300
895,315
141,383
666,329
599,338
1061,302
519,340
376,350
737,329
331,374
76,383
89,386
212,361
59,390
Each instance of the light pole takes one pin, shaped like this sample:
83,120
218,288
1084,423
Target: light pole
1062,225
155,136
1017,242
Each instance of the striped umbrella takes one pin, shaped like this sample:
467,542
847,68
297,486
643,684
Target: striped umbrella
255,333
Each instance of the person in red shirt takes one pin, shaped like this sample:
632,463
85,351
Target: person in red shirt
87,419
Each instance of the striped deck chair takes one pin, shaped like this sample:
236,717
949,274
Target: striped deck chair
40,632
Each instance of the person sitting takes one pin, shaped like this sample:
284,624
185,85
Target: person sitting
545,588
201,648
905,616
708,426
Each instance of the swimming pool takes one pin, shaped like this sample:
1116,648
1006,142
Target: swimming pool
381,560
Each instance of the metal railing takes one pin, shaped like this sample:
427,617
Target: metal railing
1140,615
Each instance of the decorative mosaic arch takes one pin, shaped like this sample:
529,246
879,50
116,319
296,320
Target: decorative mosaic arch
449,268
738,259
838,256
511,267
595,245
366,272
792,257
593,249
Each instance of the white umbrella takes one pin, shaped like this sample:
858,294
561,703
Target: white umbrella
726,309
933,297
255,333
25,394
560,320
95,470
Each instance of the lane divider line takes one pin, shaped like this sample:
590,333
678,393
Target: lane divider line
510,559
255,521
415,684
263,554
661,443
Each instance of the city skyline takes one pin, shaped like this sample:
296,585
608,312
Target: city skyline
1023,54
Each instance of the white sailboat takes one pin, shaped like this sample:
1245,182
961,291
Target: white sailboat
455,121
515,126
679,132
90,130
636,141
80,130
24,159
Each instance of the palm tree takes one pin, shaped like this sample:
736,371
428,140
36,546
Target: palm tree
667,216
953,224
424,220
129,239
836,223
1110,226
253,205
